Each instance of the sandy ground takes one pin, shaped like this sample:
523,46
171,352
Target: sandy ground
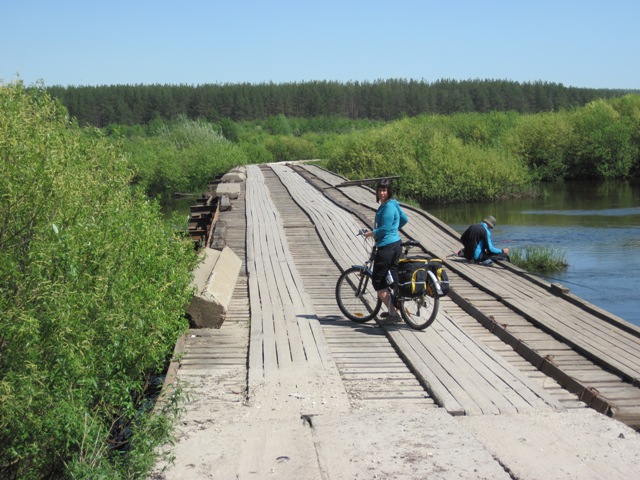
288,433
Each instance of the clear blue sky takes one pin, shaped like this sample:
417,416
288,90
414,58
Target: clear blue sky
581,43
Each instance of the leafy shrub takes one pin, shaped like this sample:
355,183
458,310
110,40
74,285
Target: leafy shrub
230,130
433,164
542,142
288,147
479,129
629,109
183,156
93,288
277,125
602,143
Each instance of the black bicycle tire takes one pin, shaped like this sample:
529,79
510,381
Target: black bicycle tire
356,316
407,303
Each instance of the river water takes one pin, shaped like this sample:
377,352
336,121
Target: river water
597,225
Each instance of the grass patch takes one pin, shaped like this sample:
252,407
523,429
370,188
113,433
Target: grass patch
539,259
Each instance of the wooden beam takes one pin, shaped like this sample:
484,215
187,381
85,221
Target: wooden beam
364,181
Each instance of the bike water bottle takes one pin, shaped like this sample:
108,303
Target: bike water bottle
389,278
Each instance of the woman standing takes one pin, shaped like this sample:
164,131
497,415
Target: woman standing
389,219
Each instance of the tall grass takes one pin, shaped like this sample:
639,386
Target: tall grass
539,259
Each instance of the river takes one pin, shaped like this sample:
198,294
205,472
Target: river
597,225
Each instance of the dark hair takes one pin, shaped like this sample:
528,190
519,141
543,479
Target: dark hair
384,183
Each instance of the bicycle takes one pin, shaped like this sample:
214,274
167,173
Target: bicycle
359,302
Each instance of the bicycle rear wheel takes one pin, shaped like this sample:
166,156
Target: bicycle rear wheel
356,298
421,311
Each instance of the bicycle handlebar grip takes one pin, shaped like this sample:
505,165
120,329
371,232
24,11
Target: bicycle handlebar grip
363,231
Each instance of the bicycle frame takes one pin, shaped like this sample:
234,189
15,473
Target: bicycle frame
360,303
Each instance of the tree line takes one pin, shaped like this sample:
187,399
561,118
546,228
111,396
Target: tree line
383,100
463,157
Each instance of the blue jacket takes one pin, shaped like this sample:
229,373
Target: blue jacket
477,239
389,218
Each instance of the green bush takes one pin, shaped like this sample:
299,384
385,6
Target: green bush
93,289
629,109
278,125
484,130
542,141
183,156
434,165
602,144
288,147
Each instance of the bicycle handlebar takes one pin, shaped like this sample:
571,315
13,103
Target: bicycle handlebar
406,245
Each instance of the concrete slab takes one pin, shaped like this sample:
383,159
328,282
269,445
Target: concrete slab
225,203
400,444
231,190
577,444
214,280
233,177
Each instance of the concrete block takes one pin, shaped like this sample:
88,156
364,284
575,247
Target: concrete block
225,203
214,279
233,177
231,190
219,241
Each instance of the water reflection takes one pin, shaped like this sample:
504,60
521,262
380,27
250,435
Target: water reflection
609,212
596,224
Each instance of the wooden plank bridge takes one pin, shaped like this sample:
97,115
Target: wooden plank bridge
504,342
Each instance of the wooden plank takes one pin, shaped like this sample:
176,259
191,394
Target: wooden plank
522,393
305,328
450,396
256,353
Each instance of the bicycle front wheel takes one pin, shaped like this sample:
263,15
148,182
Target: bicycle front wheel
356,298
420,312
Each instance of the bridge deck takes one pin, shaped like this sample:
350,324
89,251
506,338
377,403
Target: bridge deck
593,353
502,343
518,346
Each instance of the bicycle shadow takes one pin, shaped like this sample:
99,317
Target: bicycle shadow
368,328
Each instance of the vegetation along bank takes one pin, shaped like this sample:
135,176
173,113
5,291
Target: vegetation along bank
93,289
461,157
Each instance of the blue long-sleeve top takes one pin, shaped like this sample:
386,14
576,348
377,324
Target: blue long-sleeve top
389,218
488,247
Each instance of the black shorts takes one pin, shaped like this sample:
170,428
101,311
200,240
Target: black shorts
386,259
484,256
